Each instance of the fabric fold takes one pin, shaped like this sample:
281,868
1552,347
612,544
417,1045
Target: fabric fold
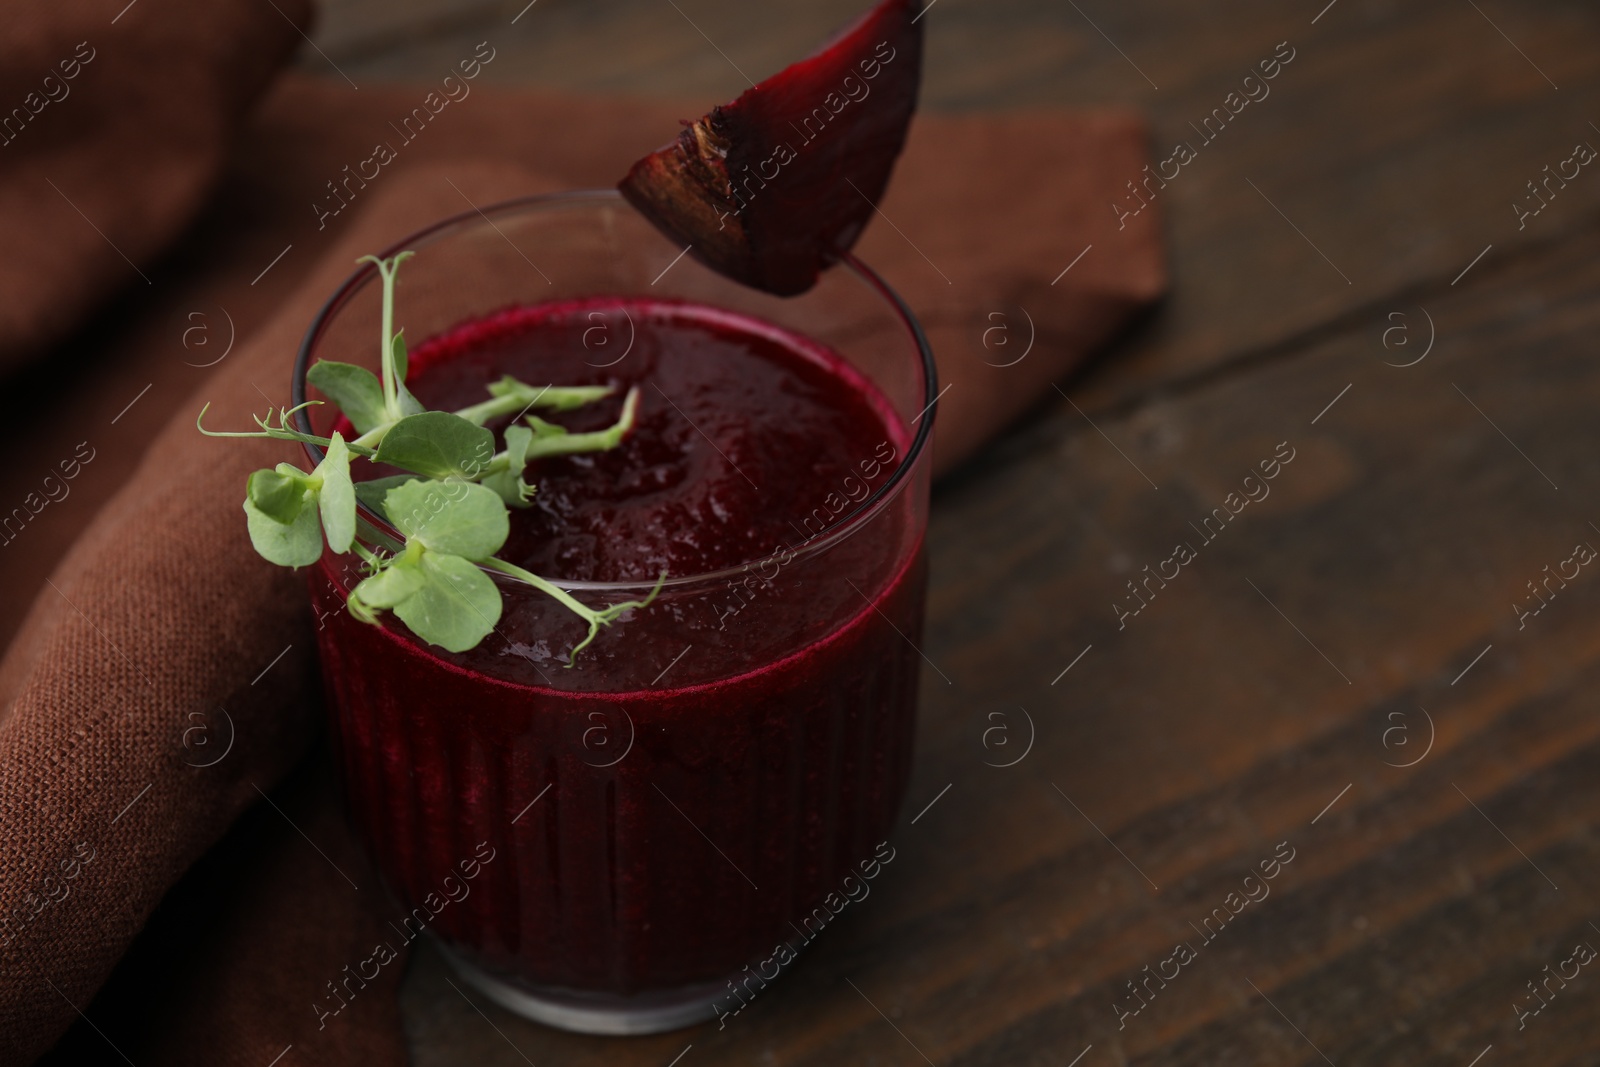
113,129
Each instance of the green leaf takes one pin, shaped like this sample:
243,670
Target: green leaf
337,497
437,444
408,404
458,518
390,586
371,492
401,362
541,428
508,483
292,544
355,389
277,494
456,606
405,403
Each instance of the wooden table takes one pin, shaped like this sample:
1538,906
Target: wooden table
1344,674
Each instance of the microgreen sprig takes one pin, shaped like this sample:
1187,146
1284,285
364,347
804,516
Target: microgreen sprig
451,506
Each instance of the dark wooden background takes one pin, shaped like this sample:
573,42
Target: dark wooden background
1360,618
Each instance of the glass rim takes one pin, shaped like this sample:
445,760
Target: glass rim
848,524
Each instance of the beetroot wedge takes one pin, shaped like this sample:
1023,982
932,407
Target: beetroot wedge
773,188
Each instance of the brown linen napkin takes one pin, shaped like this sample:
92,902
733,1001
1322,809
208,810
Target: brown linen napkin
161,617
123,121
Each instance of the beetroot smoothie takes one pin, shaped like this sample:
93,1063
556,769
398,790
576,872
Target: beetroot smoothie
650,820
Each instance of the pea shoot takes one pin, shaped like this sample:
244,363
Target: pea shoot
451,507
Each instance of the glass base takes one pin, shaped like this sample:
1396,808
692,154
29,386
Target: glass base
595,1013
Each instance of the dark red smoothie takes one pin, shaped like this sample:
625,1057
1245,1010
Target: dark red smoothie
665,811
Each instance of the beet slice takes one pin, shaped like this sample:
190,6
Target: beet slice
761,189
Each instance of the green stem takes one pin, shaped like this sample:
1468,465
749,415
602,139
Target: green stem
497,463
513,397
595,619
372,438
595,441
577,607
280,433
482,412
387,271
